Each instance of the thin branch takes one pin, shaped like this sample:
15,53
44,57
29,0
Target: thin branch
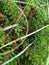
24,36
9,27
19,53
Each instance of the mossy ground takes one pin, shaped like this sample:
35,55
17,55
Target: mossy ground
37,18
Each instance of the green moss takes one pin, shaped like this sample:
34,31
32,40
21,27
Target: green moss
37,53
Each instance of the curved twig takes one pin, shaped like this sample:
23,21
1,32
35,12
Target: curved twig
22,13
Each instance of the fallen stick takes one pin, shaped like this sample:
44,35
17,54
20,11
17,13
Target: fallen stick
24,36
9,27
